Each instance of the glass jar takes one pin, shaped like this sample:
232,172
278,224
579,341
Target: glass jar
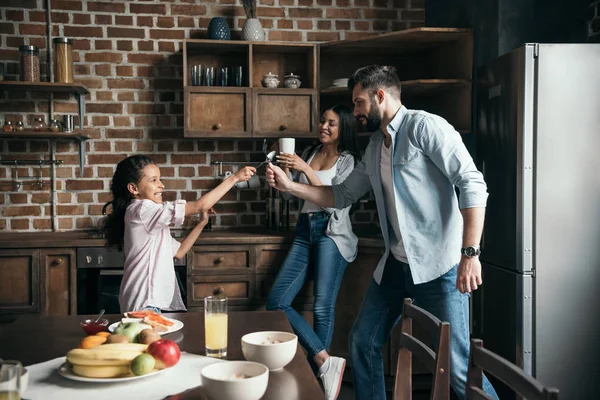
30,63
54,126
8,126
19,127
63,60
39,125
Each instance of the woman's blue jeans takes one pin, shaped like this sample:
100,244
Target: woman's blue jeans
381,310
310,247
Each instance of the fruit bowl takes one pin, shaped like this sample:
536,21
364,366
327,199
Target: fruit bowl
235,380
92,327
271,348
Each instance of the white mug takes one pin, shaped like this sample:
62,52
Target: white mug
287,145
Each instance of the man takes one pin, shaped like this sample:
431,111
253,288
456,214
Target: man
412,163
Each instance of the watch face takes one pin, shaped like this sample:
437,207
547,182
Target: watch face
470,251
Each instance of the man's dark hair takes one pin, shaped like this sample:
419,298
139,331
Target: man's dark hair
375,77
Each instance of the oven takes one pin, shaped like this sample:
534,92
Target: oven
99,275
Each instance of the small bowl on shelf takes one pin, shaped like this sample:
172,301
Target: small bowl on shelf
92,327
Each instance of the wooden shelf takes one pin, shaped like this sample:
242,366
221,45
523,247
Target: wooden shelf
413,87
43,87
78,135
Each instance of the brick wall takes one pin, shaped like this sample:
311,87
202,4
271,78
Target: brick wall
127,53
594,21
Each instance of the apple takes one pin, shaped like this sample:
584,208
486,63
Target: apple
165,352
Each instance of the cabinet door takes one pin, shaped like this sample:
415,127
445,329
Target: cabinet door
219,260
217,112
58,288
19,281
239,289
284,112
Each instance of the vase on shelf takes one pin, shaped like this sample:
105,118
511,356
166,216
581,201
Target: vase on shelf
218,29
253,30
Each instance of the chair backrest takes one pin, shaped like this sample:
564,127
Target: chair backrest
438,362
482,359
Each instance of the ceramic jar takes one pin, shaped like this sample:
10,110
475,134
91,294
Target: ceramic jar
270,81
218,29
253,30
292,81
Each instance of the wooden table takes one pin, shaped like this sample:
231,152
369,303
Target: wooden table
34,339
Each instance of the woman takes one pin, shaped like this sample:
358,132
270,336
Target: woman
324,239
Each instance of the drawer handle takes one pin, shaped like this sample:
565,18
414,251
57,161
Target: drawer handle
217,126
217,291
283,127
57,261
220,260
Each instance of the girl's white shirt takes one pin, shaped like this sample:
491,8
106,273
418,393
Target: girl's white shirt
149,272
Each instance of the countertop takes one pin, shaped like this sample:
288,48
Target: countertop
92,238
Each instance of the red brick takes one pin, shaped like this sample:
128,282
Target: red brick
104,108
124,133
84,222
57,17
123,20
40,198
146,108
87,184
17,15
276,12
19,224
228,11
159,9
7,28
125,32
144,21
285,36
121,121
305,24
167,34
124,45
285,24
65,223
18,198
349,13
305,3
101,146
70,210
342,25
362,25
185,9
66,5
125,83
286,2
16,211
124,70
145,58
81,69
126,96
31,29
103,19
82,19
102,159
165,22
83,31
185,22
100,120
167,47
85,197
98,6
114,58
188,159
40,224
143,146
102,45
103,69
305,13
324,25
124,147
105,172
64,197
146,45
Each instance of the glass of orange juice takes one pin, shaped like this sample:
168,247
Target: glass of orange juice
215,326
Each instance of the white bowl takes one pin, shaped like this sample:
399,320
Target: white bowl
219,383
256,347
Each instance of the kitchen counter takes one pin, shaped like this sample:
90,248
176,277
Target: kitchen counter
91,238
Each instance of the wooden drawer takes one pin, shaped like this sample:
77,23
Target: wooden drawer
284,112
270,258
217,112
219,260
239,289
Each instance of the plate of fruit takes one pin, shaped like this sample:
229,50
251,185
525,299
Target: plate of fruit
146,319
119,357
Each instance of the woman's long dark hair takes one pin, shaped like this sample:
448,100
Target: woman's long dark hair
129,170
347,128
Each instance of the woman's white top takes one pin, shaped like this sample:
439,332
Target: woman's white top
325,176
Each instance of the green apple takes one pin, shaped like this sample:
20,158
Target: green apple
143,364
130,330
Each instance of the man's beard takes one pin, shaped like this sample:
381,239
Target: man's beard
374,117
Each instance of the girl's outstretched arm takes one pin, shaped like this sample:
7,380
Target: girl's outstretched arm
207,201
188,242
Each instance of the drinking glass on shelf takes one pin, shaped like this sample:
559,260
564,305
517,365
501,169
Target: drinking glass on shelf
209,76
215,326
10,380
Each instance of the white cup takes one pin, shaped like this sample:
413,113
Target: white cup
287,145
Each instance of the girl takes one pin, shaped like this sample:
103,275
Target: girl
139,224
324,238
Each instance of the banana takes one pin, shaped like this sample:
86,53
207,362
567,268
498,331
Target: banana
112,371
122,347
101,357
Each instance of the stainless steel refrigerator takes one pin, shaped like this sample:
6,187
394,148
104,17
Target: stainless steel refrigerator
538,146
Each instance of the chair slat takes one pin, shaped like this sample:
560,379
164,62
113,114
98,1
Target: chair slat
420,350
422,317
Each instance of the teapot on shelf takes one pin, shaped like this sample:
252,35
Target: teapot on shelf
292,81
270,80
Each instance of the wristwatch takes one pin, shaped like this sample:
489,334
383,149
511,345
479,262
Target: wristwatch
470,251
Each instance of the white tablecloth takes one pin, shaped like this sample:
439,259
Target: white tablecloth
45,383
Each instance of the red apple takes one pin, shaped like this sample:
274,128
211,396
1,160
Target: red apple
165,352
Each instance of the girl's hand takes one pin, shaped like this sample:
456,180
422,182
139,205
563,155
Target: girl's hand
293,161
244,174
205,216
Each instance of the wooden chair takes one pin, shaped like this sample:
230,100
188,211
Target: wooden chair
438,362
514,377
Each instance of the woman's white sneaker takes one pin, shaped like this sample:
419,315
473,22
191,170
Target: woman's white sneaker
332,378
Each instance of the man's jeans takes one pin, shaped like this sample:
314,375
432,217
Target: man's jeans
310,247
382,309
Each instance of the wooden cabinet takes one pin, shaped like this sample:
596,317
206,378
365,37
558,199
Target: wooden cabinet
19,281
250,110
58,283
